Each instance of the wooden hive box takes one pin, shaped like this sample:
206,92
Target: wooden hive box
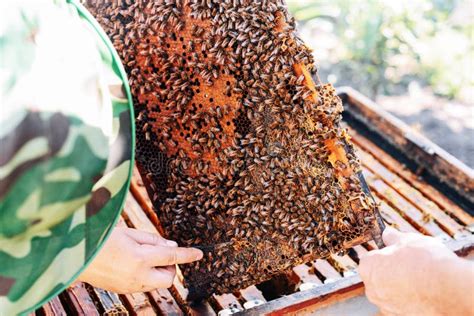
411,197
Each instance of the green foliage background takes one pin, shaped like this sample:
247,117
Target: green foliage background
385,44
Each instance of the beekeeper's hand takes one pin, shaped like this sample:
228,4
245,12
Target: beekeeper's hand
417,275
135,261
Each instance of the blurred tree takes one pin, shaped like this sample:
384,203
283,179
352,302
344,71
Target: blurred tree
385,44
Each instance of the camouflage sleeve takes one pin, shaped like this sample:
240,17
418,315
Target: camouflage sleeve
66,147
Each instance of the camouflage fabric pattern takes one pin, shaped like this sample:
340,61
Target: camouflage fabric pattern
66,147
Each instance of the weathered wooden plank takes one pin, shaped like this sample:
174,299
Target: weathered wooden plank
141,195
52,308
251,293
428,155
327,270
414,216
411,194
344,264
393,217
77,301
136,217
427,190
108,302
138,304
164,302
306,274
226,301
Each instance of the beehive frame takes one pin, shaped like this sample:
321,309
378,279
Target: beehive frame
241,152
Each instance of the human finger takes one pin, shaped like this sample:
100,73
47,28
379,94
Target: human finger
149,239
166,256
161,277
365,267
391,236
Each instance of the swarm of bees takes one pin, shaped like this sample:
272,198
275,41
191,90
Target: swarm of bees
241,152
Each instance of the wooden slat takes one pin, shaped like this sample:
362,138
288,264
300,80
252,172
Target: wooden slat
108,302
226,301
138,304
326,269
427,155
396,167
343,263
164,302
393,217
411,194
251,293
306,274
78,301
141,195
52,308
413,215
135,217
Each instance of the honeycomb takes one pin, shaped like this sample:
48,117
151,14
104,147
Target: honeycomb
241,152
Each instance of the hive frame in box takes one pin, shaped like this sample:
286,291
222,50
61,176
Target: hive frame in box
341,287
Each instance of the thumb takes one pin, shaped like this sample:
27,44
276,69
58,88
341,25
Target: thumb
391,236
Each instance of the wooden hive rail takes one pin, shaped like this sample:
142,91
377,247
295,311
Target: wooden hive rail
77,301
320,272
397,168
326,271
394,218
421,221
332,277
108,303
448,224
305,274
431,158
52,308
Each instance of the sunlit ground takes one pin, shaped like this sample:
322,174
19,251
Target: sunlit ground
414,57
